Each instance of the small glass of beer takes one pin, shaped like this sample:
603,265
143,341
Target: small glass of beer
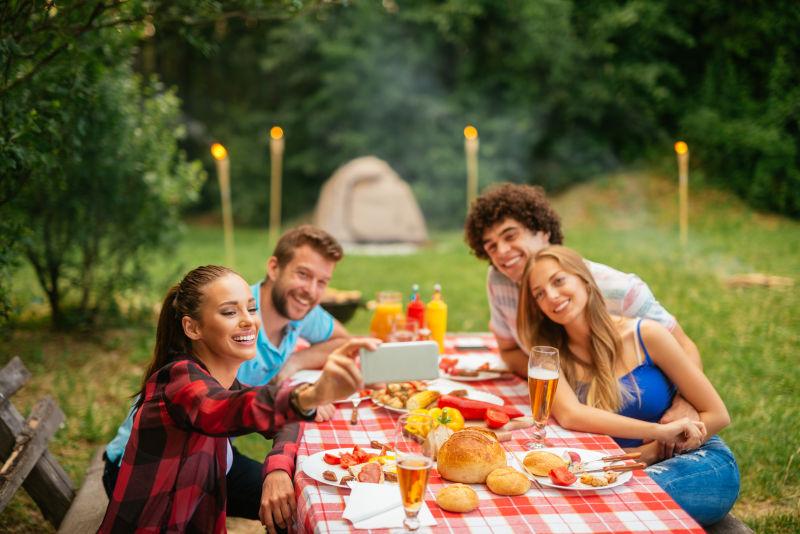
543,370
414,455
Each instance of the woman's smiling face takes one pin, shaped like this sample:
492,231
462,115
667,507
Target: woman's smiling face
228,321
562,296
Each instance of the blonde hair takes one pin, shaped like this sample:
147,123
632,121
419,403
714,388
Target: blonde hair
535,328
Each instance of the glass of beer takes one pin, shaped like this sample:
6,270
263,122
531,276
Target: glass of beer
543,370
414,454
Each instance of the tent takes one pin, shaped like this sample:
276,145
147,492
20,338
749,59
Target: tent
365,201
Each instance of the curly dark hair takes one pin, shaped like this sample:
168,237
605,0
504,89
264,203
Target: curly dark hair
525,204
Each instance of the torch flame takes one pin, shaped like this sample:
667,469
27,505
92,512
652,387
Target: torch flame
276,132
681,147
218,151
470,132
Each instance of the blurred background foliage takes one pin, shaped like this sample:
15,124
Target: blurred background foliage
105,103
559,91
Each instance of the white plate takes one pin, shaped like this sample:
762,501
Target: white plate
586,456
480,377
315,465
474,343
474,361
351,398
444,386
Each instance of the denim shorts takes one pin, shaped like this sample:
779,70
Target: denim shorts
704,482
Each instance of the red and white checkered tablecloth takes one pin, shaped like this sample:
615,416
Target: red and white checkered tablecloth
639,505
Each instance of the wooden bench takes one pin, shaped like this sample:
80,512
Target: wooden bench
27,463
23,446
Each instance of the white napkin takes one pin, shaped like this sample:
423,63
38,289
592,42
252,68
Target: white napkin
379,506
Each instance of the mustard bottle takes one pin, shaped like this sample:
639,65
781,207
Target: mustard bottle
436,317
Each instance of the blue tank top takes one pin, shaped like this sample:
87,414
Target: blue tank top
655,392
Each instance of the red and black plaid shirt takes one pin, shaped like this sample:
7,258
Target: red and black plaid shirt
172,477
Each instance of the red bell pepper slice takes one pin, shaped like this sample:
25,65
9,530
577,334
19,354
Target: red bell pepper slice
473,409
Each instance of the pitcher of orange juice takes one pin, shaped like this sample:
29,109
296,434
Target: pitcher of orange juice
390,305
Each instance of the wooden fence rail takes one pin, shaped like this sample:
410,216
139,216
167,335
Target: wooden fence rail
23,449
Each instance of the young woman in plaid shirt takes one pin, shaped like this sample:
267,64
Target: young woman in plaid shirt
172,477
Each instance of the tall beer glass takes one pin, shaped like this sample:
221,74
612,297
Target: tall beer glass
543,370
414,455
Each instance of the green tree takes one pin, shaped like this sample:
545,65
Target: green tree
76,157
108,191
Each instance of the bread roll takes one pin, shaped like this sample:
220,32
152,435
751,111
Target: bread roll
540,463
507,481
468,456
457,498
482,431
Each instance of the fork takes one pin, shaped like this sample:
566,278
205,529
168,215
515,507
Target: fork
354,413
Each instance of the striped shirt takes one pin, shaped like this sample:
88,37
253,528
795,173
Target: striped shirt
625,294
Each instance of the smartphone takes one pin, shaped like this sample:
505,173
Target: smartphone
400,362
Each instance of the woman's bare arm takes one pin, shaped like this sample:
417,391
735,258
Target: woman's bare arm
692,384
574,415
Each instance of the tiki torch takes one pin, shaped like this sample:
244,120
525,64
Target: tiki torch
276,167
223,173
682,150
471,144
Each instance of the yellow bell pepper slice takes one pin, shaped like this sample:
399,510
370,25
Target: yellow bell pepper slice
418,425
450,417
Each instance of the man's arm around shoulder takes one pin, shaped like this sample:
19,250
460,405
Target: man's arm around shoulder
514,357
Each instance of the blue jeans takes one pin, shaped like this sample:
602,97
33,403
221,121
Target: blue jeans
704,482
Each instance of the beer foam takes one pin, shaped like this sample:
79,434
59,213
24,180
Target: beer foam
542,374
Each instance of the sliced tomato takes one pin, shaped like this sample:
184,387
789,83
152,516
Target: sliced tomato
331,459
348,460
495,418
562,476
360,455
447,364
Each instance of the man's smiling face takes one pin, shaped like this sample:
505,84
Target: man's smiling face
509,244
299,286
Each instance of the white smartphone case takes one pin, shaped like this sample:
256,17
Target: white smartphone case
400,362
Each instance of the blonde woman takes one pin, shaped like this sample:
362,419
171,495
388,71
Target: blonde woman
619,375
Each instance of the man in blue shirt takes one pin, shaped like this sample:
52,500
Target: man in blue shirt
288,299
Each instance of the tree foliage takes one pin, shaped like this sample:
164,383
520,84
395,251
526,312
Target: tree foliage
109,190
559,91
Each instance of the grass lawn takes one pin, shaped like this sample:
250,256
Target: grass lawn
748,337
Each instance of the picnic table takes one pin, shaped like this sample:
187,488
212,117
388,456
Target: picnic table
638,505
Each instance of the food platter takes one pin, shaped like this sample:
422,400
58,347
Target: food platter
314,466
586,456
473,363
445,386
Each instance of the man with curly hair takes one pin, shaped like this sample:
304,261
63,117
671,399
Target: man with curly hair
508,224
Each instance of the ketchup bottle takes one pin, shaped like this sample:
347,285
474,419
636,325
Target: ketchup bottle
415,312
